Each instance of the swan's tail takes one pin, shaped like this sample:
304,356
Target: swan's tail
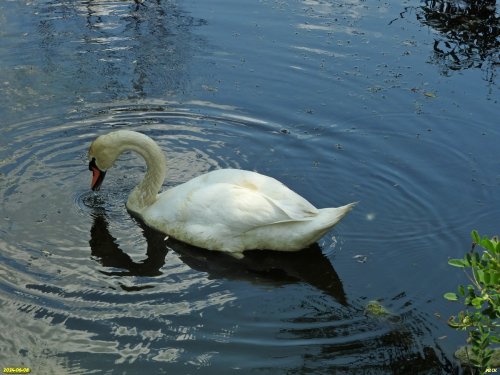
300,234
332,216
326,220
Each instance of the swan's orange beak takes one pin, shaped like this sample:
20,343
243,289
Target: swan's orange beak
97,175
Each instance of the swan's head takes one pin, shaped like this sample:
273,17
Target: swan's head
106,148
102,155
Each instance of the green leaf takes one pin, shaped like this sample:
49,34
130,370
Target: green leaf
480,276
451,296
468,260
475,236
487,244
495,278
457,263
477,302
461,290
453,323
475,259
486,278
470,290
482,299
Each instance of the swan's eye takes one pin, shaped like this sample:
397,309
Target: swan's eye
92,164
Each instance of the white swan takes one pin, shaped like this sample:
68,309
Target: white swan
227,210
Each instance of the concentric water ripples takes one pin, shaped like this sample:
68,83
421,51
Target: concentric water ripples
47,212
420,192
75,264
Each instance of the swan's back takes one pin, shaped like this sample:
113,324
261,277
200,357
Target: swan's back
234,210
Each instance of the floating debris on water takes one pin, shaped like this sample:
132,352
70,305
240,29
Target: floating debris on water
376,309
360,258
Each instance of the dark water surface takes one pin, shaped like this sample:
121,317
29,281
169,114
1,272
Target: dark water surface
394,105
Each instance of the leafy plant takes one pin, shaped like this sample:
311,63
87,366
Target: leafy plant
481,298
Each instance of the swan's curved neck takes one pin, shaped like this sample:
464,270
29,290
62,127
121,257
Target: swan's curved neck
146,192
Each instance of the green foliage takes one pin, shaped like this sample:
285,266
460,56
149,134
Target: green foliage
481,298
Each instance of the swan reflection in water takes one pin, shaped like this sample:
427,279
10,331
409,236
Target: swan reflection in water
267,267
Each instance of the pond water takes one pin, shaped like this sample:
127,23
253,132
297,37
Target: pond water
394,105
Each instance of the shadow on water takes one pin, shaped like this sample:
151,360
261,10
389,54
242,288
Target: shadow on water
261,267
469,34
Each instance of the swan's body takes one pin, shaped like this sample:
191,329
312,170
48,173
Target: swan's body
228,210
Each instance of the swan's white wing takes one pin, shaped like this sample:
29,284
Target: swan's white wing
244,208
214,210
256,187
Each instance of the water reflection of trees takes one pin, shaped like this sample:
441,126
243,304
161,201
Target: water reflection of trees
469,34
104,50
